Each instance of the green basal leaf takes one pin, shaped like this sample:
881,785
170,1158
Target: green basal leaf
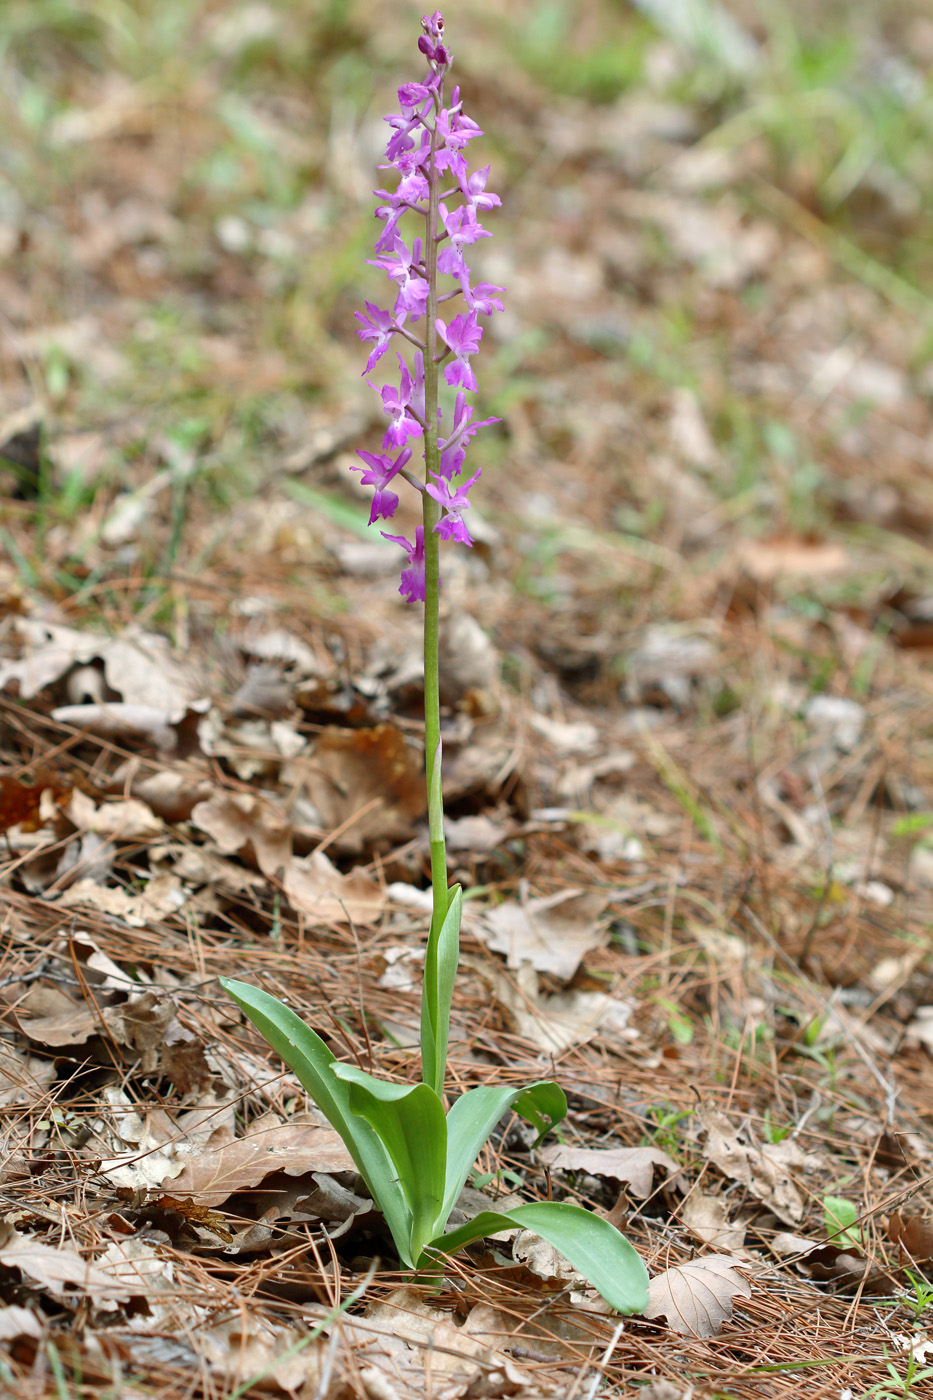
475,1114
305,1053
409,1120
543,1105
593,1246
440,971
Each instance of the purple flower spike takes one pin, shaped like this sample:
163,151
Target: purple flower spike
429,139
451,526
462,336
381,470
412,584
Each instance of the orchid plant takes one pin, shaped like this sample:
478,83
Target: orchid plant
413,1155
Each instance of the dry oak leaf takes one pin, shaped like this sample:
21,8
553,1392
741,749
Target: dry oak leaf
633,1165
696,1298
295,1148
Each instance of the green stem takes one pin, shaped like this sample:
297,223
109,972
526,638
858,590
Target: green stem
431,509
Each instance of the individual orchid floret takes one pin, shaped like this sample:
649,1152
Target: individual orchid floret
473,189
481,298
413,95
402,266
454,502
462,336
453,449
412,584
397,403
462,228
455,132
379,473
378,326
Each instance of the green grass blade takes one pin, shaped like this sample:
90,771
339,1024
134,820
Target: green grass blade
440,971
409,1120
475,1114
305,1053
593,1246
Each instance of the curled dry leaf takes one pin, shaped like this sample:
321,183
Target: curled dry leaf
140,667
696,1298
633,1165
914,1234
768,1171
707,1216
553,1023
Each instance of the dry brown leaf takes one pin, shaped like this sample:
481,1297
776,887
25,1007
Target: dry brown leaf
707,1216
914,1234
767,1171
16,1322
696,1298
634,1165
140,667
449,1354
58,1270
24,1078
242,823
247,1347
552,934
553,1022
271,1146
367,782
130,820
161,896
665,1390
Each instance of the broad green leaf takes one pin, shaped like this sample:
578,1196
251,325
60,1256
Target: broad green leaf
475,1114
409,1120
543,1105
305,1053
594,1247
440,971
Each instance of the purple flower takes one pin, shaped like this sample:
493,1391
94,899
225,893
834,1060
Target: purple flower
453,449
402,267
480,298
455,131
462,336
412,584
380,473
379,326
474,190
410,95
462,228
396,403
455,502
